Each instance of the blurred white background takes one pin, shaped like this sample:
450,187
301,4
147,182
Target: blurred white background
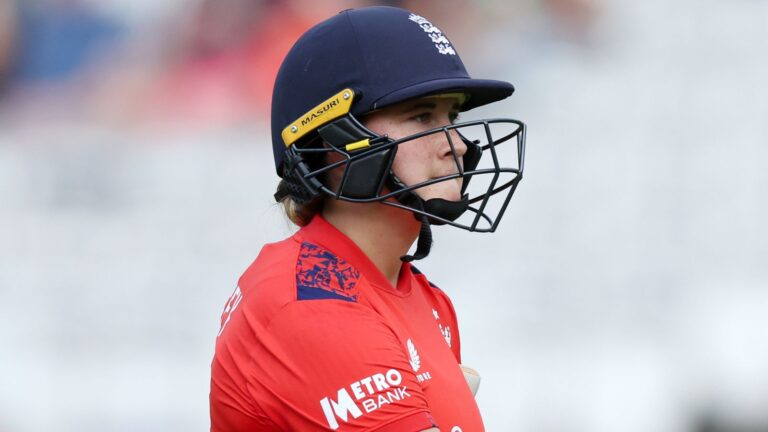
623,292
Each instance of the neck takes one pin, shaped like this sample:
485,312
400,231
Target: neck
382,232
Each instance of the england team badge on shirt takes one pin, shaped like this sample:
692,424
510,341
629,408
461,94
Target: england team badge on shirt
444,330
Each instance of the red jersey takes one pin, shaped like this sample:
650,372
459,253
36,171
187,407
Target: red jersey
316,338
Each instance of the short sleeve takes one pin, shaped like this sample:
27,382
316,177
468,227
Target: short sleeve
335,365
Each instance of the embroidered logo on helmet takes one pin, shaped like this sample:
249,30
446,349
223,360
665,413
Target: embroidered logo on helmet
441,42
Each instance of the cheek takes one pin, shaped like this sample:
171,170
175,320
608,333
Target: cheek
408,165
411,163
333,177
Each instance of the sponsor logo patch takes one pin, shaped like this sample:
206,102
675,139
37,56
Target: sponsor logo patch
364,396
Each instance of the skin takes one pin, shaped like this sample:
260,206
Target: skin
385,233
428,157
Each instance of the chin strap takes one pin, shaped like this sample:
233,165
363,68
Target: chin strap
450,210
424,244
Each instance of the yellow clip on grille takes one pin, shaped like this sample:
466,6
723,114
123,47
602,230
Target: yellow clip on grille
357,145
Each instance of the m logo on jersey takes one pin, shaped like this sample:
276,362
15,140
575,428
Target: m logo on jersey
370,394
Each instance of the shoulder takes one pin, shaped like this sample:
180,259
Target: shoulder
297,269
321,274
268,283
294,270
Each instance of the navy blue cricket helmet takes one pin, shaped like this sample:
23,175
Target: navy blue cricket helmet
361,60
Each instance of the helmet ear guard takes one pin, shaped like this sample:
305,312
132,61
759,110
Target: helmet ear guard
363,177
326,128
297,183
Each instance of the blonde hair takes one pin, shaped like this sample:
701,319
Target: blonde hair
300,213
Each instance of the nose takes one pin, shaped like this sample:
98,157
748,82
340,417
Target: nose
453,137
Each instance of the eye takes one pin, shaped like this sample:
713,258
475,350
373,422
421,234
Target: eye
424,117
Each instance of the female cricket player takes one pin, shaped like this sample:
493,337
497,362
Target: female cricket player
333,328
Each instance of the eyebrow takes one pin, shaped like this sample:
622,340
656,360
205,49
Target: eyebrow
427,105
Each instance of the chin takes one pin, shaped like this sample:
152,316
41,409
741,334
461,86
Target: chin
448,194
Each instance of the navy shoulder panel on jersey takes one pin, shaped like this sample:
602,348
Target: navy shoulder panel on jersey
321,275
418,272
